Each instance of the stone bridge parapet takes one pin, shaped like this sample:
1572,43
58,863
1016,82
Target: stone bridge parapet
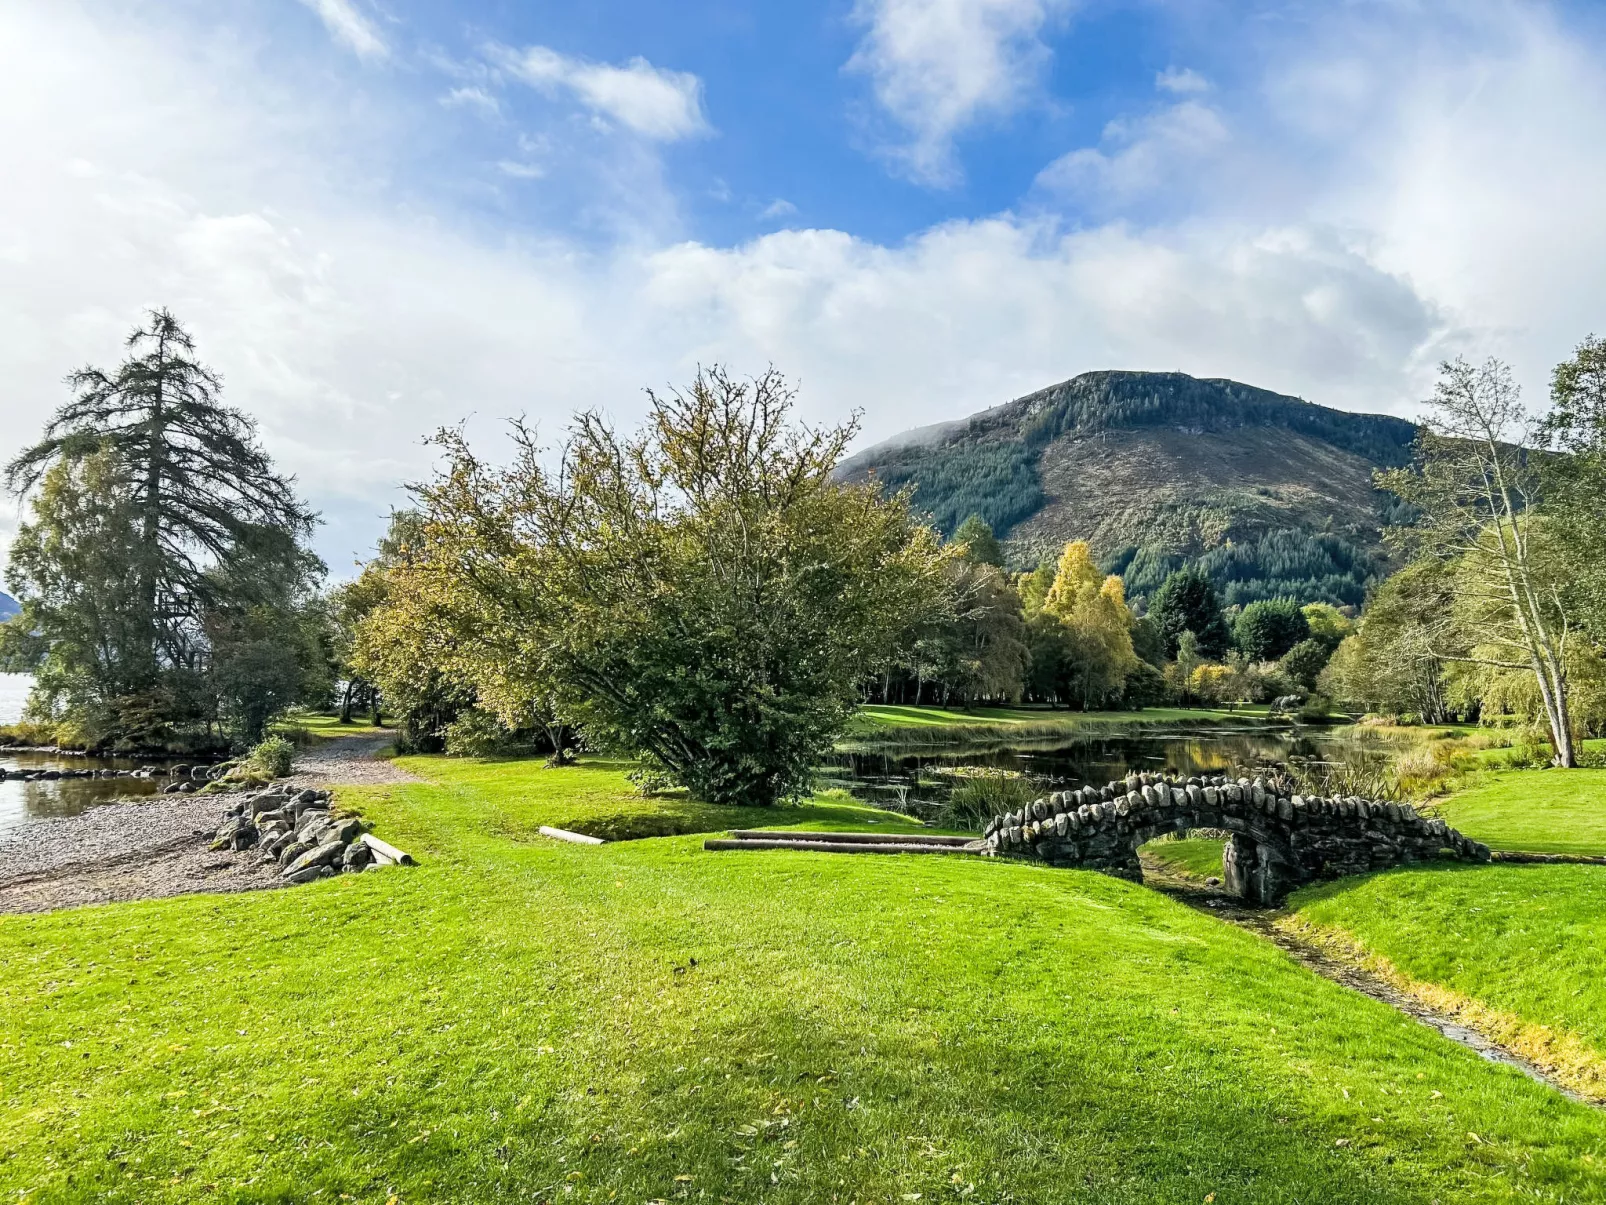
1278,839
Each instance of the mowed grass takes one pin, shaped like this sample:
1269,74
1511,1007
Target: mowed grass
323,726
1527,943
894,721
1192,857
1540,811
519,1019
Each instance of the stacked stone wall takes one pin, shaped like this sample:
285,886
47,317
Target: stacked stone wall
1280,838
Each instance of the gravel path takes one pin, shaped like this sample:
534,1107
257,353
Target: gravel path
156,846
348,761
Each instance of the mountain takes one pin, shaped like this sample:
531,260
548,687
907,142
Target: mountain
8,606
1269,494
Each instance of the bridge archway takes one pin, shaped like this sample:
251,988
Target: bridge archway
1278,838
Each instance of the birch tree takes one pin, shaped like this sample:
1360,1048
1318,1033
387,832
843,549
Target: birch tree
1474,484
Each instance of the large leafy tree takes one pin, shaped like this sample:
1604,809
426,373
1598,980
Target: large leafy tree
1092,606
1474,485
701,594
200,527
1575,483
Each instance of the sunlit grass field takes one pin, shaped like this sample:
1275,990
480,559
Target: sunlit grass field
520,1019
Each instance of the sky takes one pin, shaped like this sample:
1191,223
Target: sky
381,217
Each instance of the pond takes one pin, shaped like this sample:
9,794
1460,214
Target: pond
918,780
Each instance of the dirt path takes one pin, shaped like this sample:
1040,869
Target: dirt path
156,846
1260,921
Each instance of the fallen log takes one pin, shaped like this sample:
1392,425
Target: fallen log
836,847
563,834
385,853
761,834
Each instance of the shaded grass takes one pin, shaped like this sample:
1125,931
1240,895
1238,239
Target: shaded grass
321,726
519,1019
515,797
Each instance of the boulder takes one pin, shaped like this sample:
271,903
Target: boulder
357,857
321,855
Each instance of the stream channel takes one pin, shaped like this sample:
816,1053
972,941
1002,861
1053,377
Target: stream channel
917,781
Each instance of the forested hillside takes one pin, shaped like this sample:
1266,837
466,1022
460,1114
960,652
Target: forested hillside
1268,494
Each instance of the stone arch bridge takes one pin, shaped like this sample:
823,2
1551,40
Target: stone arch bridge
1279,839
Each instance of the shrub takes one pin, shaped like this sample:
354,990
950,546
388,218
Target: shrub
1318,709
478,733
985,793
272,758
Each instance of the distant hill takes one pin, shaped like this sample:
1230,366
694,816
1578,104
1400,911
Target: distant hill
8,606
1269,494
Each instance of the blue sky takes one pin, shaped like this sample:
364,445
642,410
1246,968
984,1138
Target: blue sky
381,216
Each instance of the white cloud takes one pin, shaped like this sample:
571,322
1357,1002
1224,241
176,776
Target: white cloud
1138,157
520,171
939,66
655,103
471,96
778,208
1457,212
346,24
1181,80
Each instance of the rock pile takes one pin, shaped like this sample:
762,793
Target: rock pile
1279,838
53,775
300,831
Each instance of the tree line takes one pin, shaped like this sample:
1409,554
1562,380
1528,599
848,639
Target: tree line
704,595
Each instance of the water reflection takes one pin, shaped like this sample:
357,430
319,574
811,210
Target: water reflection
906,778
21,801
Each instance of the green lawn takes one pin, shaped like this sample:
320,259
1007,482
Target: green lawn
1193,857
891,720
1518,948
1543,811
329,725
521,1019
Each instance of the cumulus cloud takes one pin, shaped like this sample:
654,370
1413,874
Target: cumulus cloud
348,26
1181,80
1457,213
655,103
939,66
1137,156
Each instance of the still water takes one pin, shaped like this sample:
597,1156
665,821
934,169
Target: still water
915,779
14,690
21,802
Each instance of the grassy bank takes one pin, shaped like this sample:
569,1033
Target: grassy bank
518,1019
1544,811
1514,951
896,725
